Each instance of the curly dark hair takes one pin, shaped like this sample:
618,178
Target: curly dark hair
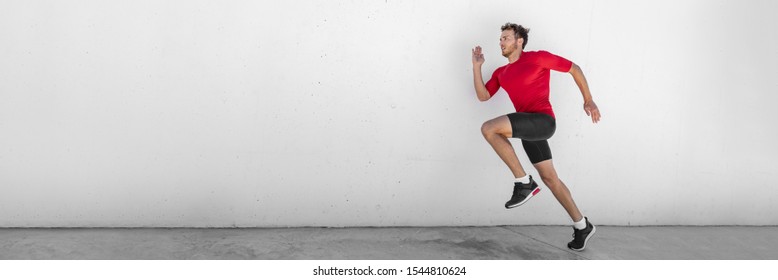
519,31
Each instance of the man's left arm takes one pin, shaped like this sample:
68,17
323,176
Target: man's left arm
589,106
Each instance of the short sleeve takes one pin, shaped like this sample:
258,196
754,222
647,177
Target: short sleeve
493,84
554,62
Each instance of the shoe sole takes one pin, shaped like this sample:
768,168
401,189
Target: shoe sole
536,191
594,229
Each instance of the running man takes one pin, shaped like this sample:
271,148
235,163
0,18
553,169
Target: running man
526,80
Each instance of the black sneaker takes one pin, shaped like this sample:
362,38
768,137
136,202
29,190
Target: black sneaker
581,236
522,193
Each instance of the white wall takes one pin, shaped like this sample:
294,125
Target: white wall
362,113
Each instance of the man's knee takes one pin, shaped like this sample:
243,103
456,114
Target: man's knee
492,127
487,128
551,180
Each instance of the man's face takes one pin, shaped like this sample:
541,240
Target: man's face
509,43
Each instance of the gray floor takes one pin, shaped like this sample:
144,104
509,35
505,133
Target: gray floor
466,243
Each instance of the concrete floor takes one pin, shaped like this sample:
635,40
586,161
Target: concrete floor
462,243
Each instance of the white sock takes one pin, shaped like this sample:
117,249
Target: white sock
579,225
523,180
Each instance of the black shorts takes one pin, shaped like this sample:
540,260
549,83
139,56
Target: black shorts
533,129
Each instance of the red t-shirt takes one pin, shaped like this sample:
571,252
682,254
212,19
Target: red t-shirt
526,80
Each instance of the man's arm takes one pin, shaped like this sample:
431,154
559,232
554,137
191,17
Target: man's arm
589,106
478,79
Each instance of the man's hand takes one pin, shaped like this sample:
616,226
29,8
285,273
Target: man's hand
592,110
478,57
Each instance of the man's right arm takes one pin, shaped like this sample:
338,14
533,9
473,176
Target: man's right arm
478,79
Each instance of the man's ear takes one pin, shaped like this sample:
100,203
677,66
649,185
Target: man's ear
520,42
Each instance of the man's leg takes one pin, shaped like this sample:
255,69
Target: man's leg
497,131
582,228
558,188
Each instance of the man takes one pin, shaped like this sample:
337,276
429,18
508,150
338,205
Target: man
526,80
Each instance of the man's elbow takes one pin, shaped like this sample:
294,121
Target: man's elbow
574,69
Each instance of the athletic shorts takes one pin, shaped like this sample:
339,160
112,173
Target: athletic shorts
533,129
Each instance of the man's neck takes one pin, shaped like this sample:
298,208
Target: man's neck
515,56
